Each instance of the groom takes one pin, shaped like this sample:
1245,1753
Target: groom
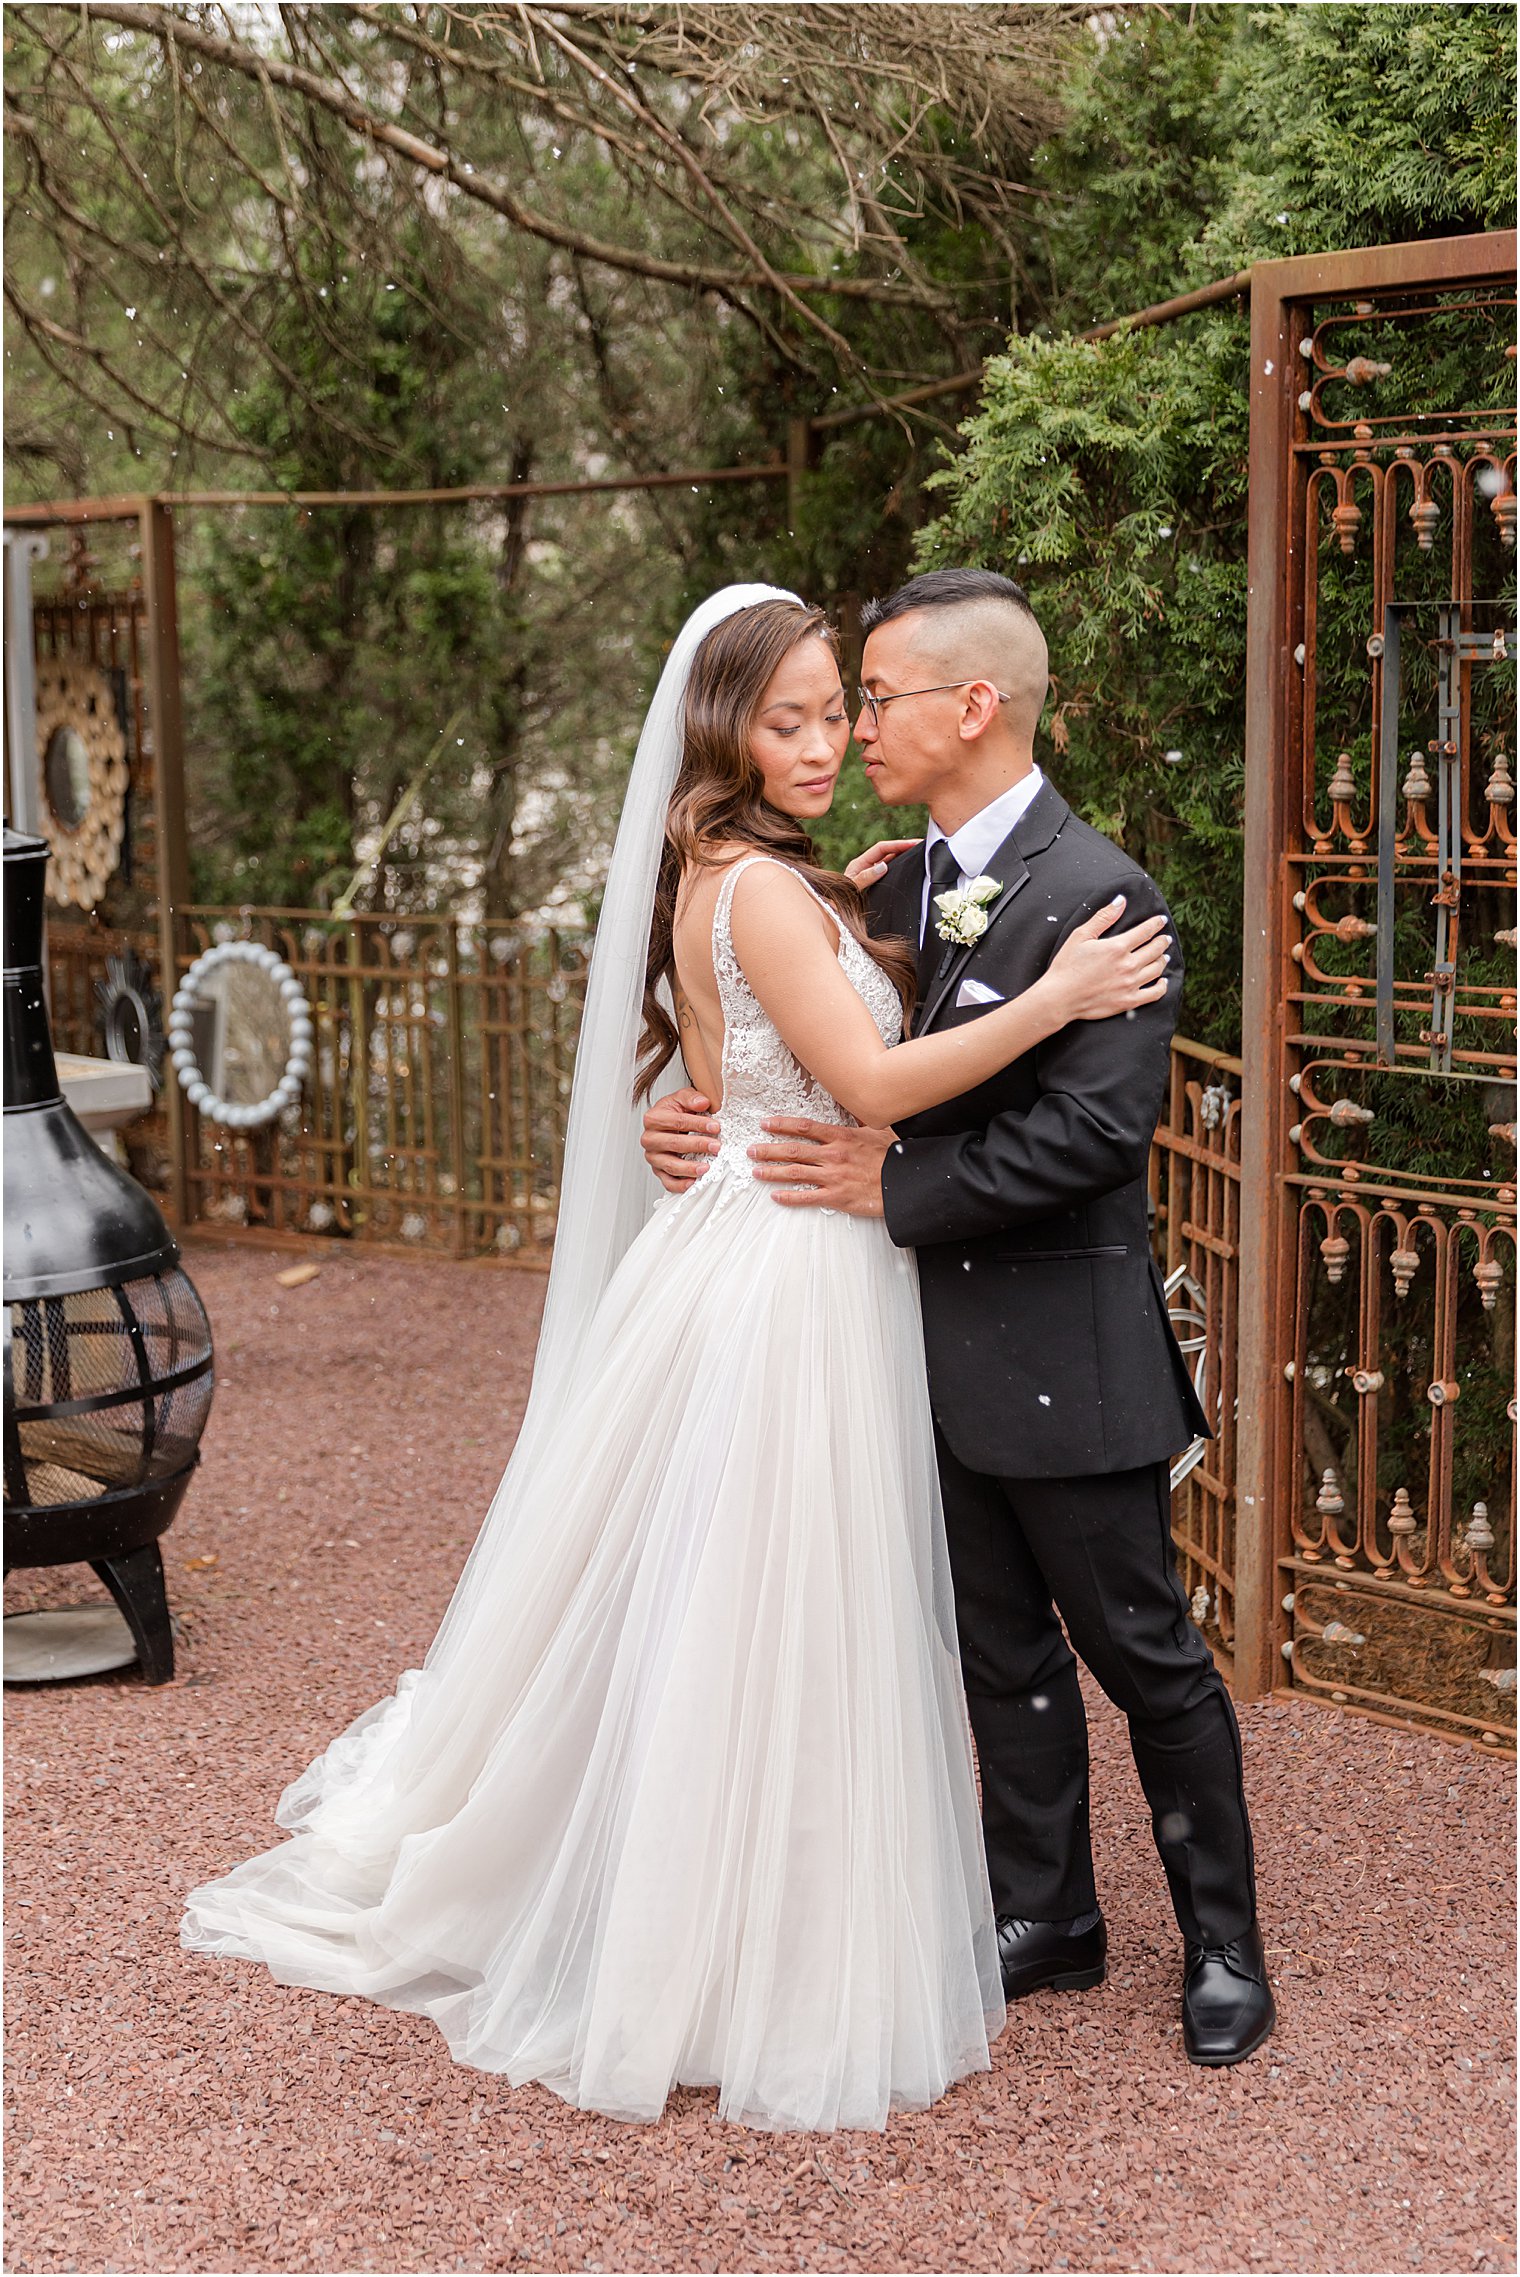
1058,1390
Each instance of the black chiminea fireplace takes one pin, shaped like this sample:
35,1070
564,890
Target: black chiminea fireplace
107,1346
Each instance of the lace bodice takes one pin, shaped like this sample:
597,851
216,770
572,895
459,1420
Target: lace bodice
760,1075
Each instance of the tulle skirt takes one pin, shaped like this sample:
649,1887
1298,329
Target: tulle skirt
683,1791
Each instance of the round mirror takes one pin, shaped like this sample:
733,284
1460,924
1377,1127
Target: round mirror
240,1035
66,776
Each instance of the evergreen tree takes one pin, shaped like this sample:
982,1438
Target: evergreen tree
1110,478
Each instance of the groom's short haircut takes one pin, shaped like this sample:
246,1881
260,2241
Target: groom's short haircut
974,624
945,589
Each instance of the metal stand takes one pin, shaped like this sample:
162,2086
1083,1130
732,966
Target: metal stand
136,1581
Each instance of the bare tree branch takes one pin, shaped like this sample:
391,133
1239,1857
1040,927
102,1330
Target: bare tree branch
578,118
687,158
362,120
228,309
45,335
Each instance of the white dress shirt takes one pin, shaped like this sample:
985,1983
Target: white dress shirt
976,841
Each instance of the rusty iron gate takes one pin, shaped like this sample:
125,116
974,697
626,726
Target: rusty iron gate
1376,1487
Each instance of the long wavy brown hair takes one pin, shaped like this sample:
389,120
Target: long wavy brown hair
719,800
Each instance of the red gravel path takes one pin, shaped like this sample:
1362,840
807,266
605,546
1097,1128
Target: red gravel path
169,2112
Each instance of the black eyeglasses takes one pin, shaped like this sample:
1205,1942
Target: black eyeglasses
876,705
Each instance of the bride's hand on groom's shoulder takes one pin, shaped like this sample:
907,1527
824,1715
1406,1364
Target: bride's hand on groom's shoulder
681,1135
870,868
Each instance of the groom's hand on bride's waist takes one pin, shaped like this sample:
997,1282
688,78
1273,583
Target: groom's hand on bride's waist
826,1166
680,1139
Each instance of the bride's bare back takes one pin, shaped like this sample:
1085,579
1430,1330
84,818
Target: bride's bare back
699,1010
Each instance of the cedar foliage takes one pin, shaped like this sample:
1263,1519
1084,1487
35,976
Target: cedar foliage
1111,477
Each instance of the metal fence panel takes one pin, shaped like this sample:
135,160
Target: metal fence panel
435,1114
1195,1195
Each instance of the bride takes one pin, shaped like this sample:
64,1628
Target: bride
682,1792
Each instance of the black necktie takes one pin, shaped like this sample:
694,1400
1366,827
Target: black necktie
944,877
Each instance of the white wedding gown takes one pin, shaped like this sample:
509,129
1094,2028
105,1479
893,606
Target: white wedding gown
691,1799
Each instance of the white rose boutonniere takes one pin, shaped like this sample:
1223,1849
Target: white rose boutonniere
963,914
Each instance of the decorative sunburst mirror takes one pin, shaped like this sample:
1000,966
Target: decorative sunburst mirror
82,754
129,1014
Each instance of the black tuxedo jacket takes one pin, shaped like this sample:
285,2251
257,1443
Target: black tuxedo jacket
1050,1352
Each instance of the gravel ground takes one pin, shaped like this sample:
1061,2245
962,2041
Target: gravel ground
170,2112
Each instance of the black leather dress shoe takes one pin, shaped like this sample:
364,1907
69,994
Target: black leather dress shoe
1066,1956
1227,2004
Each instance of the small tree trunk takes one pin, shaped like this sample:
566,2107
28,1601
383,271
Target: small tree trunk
498,882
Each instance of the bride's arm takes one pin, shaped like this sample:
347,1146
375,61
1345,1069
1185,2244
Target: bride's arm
782,940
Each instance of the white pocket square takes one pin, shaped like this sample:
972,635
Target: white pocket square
976,992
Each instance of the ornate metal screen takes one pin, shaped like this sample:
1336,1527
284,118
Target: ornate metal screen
1195,1195
1387,1061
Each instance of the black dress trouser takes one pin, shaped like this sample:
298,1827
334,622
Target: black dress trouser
1099,1549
